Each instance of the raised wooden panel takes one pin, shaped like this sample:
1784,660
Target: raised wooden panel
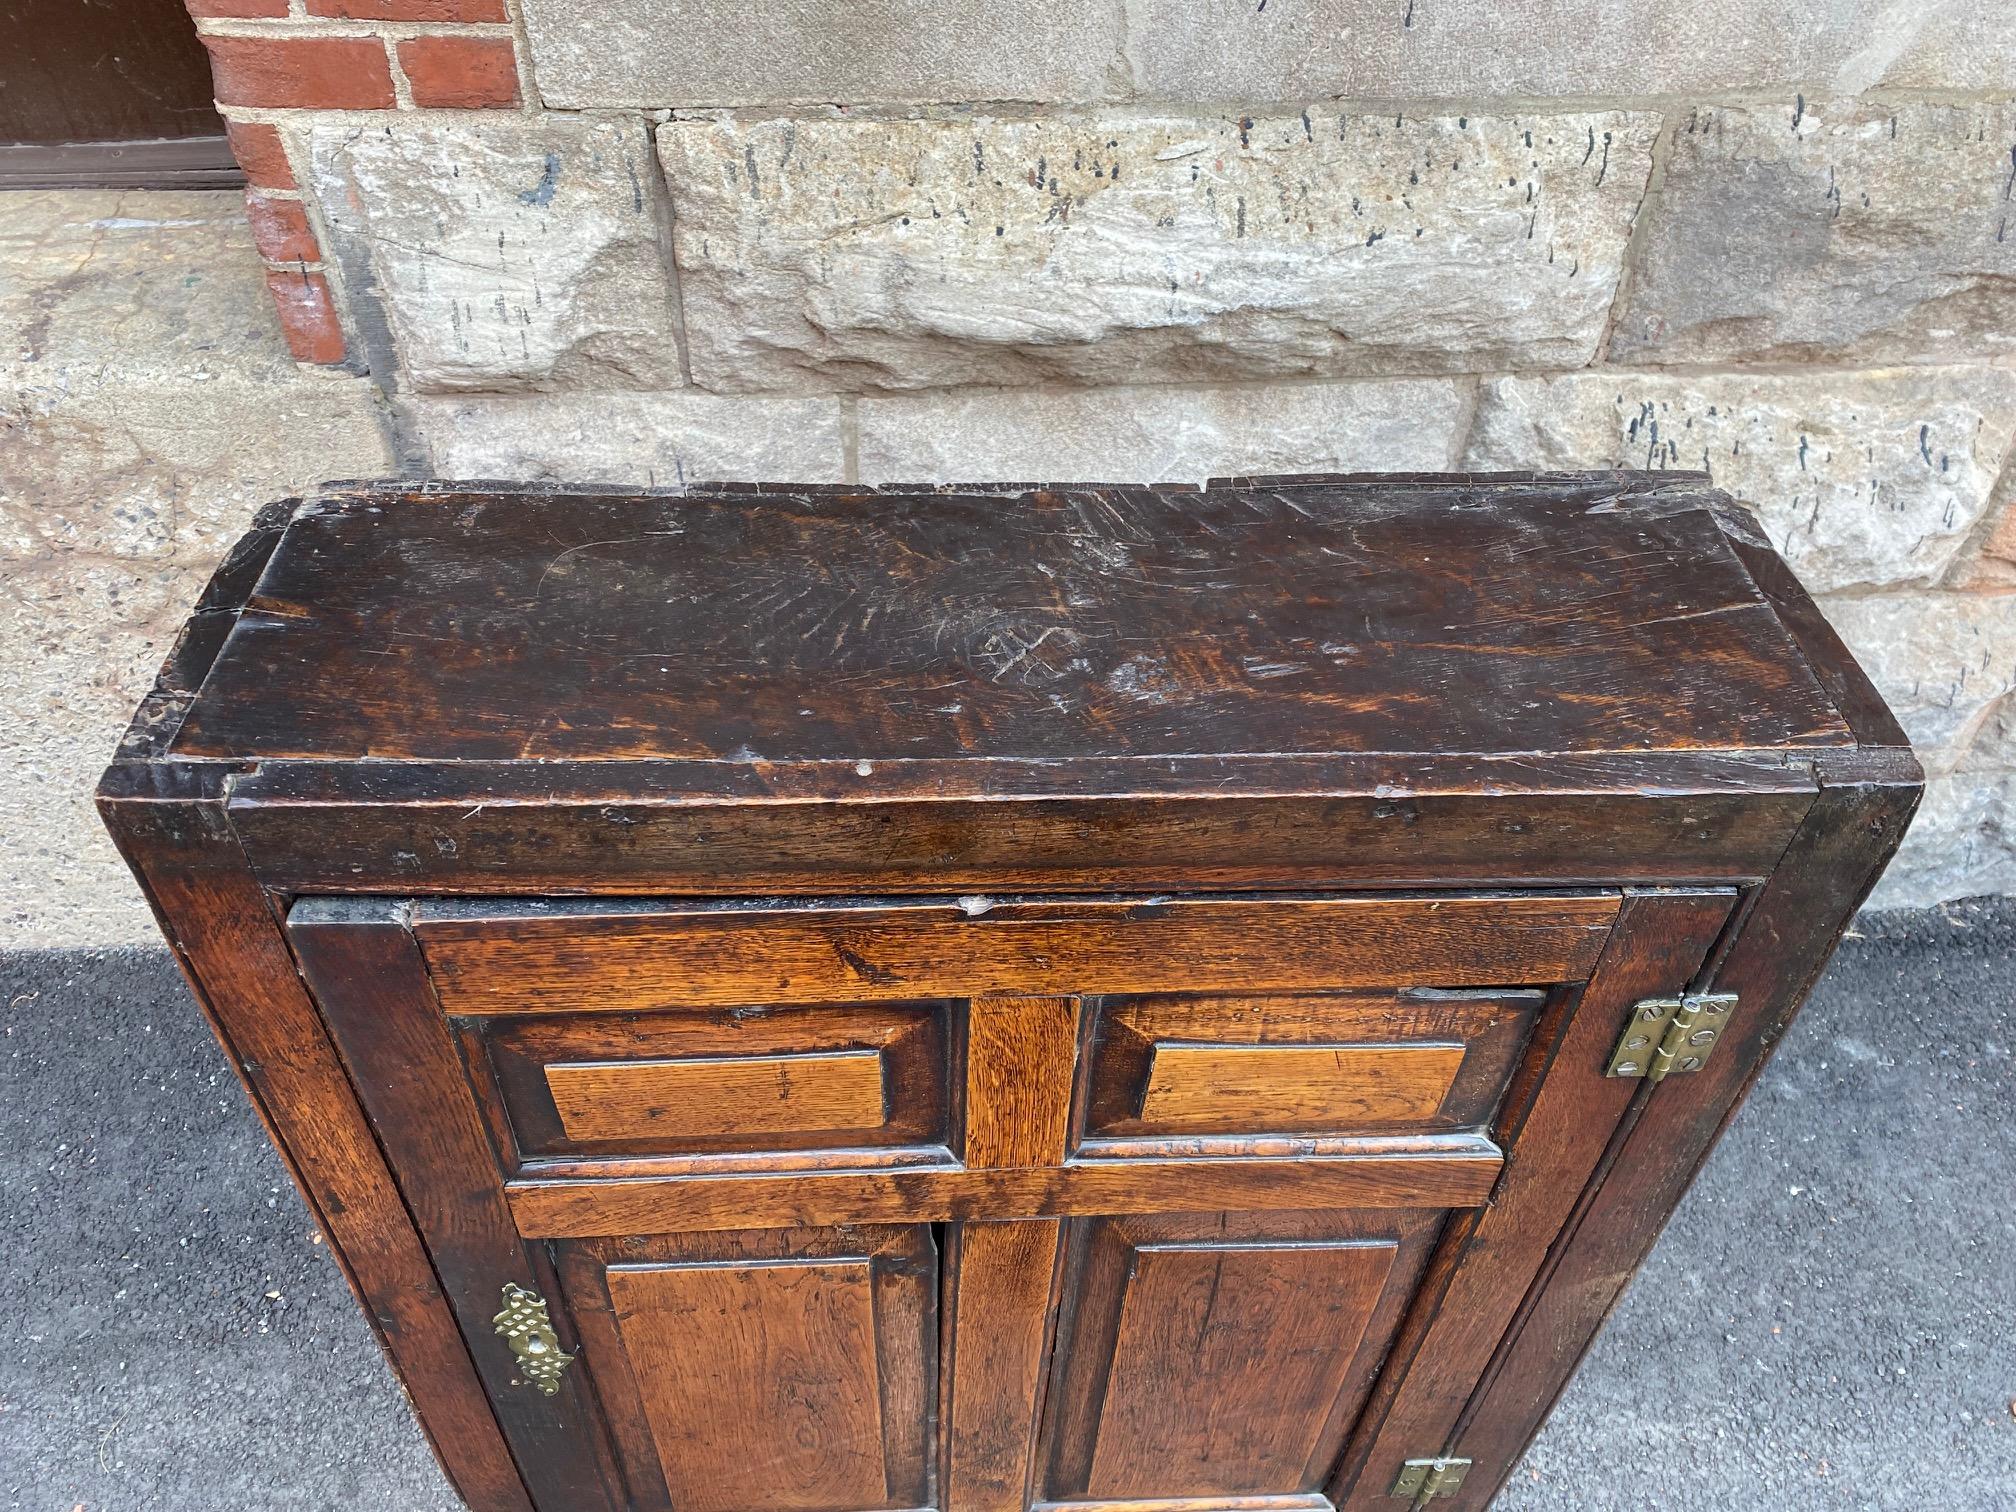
759,1381
597,958
794,1371
1169,1067
1221,1355
1276,1088
713,1081
1227,1363
736,1094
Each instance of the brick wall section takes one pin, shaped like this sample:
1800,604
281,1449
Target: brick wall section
274,59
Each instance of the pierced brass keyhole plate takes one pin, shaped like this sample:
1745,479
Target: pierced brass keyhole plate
528,1328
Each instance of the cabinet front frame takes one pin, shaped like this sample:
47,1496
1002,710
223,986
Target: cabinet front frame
367,963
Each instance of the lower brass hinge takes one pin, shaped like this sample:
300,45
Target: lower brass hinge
1668,1035
1422,1479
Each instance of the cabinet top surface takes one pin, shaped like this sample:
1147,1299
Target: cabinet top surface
1564,615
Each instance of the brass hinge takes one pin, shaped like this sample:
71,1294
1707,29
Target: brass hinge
1668,1035
1421,1479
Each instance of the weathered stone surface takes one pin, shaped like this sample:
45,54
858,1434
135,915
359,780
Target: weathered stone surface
522,253
1393,49
1860,479
1994,562
1961,844
144,379
79,643
157,469
147,408
903,254
1946,665
1160,434
139,286
586,53
1827,231
658,440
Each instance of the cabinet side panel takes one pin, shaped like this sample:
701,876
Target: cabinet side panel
230,948
1784,944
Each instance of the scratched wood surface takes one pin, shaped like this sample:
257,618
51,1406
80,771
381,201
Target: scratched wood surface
838,625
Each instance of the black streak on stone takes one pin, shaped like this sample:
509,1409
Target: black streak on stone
542,193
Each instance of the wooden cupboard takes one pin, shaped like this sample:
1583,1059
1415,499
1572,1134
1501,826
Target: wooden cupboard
849,1000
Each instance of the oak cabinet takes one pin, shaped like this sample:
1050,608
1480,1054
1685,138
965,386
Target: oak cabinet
850,1001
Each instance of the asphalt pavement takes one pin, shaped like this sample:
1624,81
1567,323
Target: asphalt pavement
1829,1322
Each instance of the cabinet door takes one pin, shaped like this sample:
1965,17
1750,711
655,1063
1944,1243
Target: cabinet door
981,1205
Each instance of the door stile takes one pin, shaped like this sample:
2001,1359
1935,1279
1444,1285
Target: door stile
1001,1288
1554,1141
367,974
1000,1310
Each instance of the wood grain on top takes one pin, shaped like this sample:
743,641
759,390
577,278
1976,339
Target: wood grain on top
1571,615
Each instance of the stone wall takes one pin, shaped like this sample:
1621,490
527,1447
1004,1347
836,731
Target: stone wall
656,240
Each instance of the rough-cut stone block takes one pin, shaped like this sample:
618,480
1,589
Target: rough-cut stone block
1961,844
902,254
1946,665
1161,434
1402,49
587,53
521,253
1860,479
659,440
1844,230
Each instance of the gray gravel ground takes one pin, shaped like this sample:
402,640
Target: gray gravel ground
1830,1321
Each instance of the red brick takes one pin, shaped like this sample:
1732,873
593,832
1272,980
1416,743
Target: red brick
261,154
236,8
311,73
409,10
460,73
280,229
307,315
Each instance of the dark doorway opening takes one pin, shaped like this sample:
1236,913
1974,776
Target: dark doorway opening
108,94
